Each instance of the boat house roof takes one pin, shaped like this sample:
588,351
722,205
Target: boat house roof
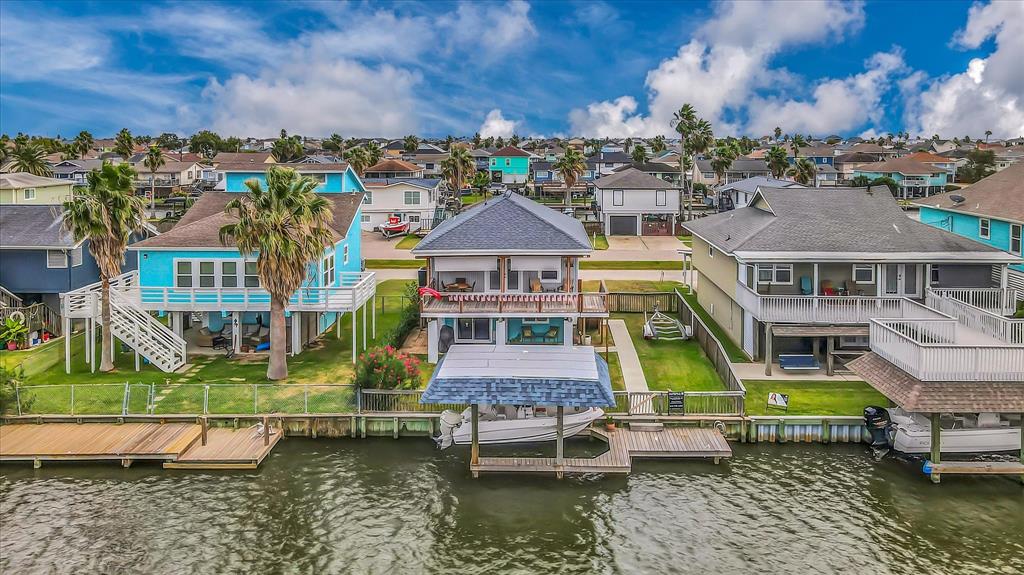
521,375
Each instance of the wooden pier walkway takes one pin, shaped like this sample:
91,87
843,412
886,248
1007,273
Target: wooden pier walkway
624,445
178,445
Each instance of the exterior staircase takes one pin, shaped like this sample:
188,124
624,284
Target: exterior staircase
128,321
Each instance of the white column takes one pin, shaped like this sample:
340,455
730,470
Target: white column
364,324
500,333
236,331
879,268
1004,276
815,292
67,344
567,331
355,316
432,340
296,326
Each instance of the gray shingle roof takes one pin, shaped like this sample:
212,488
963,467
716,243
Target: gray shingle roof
738,165
33,226
632,179
750,185
1000,195
834,220
19,180
507,224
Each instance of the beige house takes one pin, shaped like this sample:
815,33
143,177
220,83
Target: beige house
18,188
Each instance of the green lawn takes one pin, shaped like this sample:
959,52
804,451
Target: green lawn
474,198
671,365
734,352
630,265
813,397
408,242
688,240
394,264
599,242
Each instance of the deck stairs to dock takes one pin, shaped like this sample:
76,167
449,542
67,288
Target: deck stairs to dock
128,321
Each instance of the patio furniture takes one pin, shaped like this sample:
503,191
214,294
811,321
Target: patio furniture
827,288
805,285
551,334
798,362
527,334
535,285
206,338
262,335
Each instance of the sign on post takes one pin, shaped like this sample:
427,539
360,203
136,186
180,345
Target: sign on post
778,400
676,402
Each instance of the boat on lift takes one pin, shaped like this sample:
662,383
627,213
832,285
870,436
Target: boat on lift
911,433
513,424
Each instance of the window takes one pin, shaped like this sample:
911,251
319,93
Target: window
660,198
609,165
494,277
365,218
428,167
616,197
319,177
56,259
775,274
344,255
252,278
367,197
30,193
183,275
229,274
414,218
76,257
549,274
711,251
508,162
935,275
412,197
864,273
984,228
327,271
207,278
512,277
1015,238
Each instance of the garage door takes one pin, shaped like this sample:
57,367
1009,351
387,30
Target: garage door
622,225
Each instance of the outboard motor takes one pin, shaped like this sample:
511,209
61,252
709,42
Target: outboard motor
877,420
449,421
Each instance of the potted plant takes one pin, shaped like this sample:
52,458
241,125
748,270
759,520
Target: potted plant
13,332
609,423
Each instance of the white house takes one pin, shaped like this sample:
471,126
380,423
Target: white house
413,200
633,203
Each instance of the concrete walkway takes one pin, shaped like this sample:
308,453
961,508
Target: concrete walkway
632,372
755,370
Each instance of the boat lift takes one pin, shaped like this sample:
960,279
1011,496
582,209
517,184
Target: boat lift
661,326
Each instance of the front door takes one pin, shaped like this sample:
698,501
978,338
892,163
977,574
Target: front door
473,329
902,280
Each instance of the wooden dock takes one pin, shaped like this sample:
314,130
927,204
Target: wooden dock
936,470
624,445
178,445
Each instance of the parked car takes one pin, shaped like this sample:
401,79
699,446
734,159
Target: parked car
497,188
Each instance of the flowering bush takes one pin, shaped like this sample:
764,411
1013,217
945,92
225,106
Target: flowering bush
387,368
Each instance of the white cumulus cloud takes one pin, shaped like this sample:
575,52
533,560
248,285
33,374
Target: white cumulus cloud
495,125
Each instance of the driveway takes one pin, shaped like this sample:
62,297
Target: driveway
640,248
375,247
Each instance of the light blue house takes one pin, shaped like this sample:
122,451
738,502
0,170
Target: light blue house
915,179
212,293
990,211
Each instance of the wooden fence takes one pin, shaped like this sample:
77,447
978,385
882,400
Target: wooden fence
622,302
709,343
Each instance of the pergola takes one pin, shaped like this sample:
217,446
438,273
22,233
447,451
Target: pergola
520,375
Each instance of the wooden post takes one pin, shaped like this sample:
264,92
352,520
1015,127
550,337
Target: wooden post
204,426
474,452
936,445
266,430
829,349
768,349
604,336
560,441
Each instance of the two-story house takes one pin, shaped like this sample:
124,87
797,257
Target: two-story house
506,273
633,203
738,194
990,211
666,172
413,200
806,264
509,165
393,168
914,179
740,169
22,188
212,293
606,163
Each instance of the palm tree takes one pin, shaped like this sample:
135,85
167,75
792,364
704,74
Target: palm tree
153,160
778,133
29,157
571,167
803,171
658,144
476,140
777,162
124,144
106,212
860,181
987,134
639,154
721,158
796,143
373,153
358,159
286,227
514,140
627,144
457,167
335,143
410,143
286,149
480,181
83,143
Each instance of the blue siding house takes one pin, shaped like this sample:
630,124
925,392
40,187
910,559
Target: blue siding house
990,211
915,179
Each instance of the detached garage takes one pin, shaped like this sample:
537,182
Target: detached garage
622,225
635,203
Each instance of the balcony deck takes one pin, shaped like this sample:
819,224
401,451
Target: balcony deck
515,304
829,310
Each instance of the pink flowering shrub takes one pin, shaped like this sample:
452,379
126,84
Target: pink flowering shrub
387,368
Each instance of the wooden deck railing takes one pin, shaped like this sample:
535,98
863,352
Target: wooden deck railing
555,303
980,315
932,350
829,309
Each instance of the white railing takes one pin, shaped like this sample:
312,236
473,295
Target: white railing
929,351
356,288
993,324
509,302
155,341
829,309
85,301
994,300
8,299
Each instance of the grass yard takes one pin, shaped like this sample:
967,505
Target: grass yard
671,365
394,264
813,397
629,265
599,242
408,242
736,355
474,198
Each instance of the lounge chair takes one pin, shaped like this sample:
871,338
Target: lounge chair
262,335
205,336
805,285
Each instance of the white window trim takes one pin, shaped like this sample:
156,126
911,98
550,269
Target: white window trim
25,194
62,254
660,198
870,267
368,197
983,225
405,197
77,258
218,273
327,271
774,269
344,255
711,251
1018,236
621,195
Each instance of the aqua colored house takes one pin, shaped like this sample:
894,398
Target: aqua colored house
211,293
990,211
509,165
915,179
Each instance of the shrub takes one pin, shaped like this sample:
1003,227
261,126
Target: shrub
387,368
9,380
409,319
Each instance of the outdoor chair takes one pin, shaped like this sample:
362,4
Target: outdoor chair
205,337
805,285
535,286
262,335
827,288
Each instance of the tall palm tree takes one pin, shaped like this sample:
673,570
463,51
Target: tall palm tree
627,144
124,144
106,212
658,144
987,134
358,159
335,143
287,149
457,167
803,171
639,154
83,143
154,160
796,143
286,227
29,157
373,153
571,167
410,143
721,158
777,161
778,134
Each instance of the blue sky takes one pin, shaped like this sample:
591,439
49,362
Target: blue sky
534,68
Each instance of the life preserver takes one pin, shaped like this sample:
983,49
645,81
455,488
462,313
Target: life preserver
430,291
17,316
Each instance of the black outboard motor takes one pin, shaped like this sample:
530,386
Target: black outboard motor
877,420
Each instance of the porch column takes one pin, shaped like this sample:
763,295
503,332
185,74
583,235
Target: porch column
829,348
768,349
500,333
1004,277
67,344
364,325
92,345
567,333
474,450
355,316
936,445
927,278
236,331
432,337
815,290
879,268
559,441
178,321
296,326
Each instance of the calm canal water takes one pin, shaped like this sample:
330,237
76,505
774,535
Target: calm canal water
385,506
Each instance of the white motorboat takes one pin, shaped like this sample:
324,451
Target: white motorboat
513,424
960,433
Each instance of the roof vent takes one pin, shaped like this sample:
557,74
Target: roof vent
957,199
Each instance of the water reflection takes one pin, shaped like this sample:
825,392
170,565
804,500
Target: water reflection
385,506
